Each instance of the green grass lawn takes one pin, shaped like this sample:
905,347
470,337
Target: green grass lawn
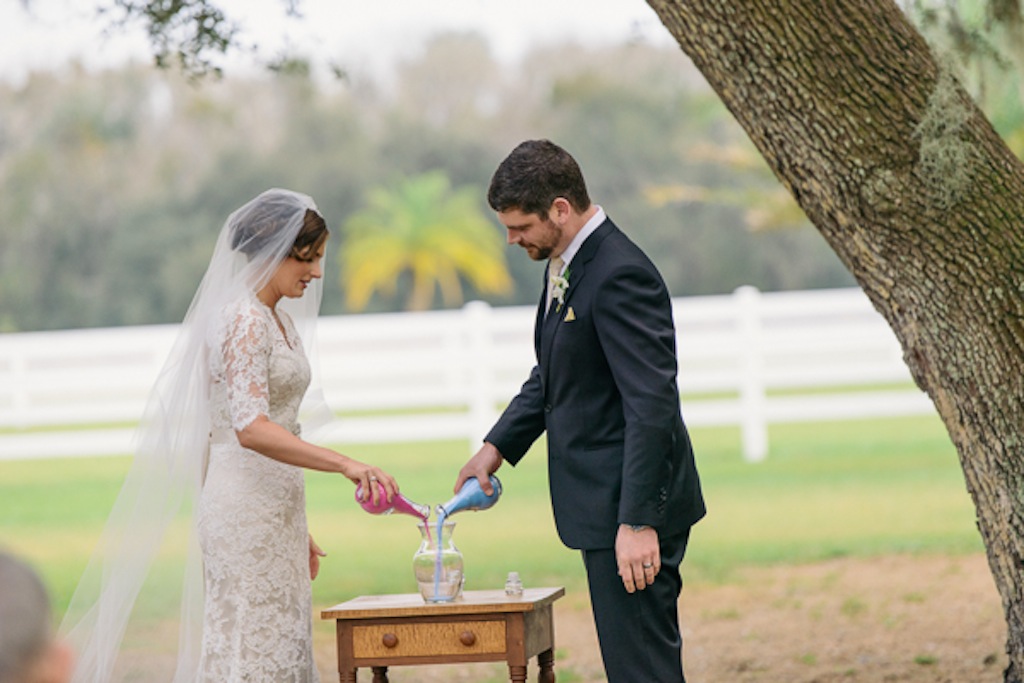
826,490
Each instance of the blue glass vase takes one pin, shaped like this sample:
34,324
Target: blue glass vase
470,497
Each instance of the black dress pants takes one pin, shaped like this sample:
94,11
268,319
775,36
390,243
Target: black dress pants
638,632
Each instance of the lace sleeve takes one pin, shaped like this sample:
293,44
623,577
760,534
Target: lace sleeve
246,354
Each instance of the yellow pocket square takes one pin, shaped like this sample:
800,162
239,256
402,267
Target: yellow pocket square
569,316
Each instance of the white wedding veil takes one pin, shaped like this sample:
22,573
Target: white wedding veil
122,619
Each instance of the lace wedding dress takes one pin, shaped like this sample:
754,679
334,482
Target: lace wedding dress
257,624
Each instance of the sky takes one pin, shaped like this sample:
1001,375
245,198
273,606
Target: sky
356,34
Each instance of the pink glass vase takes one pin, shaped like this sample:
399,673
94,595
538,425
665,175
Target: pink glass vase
398,503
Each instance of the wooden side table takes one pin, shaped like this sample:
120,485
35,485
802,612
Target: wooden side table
379,631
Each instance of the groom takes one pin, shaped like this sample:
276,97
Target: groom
624,487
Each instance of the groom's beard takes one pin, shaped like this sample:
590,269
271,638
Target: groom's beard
542,249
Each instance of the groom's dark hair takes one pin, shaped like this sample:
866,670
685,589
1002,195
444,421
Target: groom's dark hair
535,174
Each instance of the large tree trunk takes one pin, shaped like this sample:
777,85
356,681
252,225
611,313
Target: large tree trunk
918,196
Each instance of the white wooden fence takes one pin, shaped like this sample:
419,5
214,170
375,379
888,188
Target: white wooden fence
747,359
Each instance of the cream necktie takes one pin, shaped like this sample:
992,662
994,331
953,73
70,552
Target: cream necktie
554,270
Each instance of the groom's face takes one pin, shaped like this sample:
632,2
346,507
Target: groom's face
538,235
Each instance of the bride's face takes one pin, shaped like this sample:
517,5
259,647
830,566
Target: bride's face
294,274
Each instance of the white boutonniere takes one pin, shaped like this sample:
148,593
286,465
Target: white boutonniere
559,285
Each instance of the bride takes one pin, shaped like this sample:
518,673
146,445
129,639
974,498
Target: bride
221,436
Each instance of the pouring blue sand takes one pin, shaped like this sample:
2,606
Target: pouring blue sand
470,497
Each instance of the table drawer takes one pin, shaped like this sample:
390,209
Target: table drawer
417,640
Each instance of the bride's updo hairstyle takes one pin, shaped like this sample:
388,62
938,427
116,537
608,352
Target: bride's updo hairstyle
311,237
260,223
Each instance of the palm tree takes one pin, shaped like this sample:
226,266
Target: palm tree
425,228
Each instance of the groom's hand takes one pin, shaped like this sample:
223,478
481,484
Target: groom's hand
638,556
486,462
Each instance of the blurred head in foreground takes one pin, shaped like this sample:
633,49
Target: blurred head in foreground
29,652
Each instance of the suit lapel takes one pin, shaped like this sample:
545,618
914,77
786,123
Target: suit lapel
547,326
538,325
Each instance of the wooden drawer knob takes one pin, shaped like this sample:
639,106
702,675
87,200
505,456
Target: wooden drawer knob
389,640
467,638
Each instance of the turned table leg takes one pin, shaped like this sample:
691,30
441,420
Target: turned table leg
546,660
348,676
380,674
516,673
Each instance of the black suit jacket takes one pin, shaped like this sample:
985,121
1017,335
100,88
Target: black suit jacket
604,388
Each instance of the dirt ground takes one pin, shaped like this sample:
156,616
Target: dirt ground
899,618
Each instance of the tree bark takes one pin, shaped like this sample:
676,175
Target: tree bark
920,198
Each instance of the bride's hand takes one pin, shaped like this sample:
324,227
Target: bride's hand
362,474
315,553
